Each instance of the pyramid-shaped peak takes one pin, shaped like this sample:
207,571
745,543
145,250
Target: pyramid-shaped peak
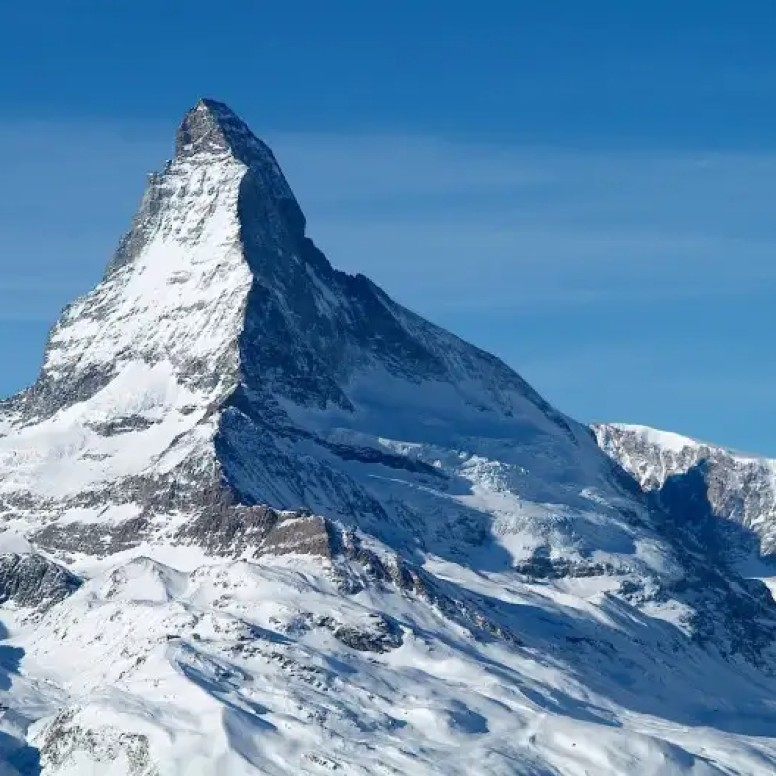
211,130
212,127
215,107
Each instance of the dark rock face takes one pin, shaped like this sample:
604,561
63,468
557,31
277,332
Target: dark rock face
304,534
370,455
228,530
122,425
234,530
31,580
379,634
542,566
92,538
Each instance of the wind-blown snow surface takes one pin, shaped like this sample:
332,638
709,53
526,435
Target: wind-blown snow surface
306,531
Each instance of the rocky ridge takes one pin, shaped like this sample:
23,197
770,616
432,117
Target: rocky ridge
697,480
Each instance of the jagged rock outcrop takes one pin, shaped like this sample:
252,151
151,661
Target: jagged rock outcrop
30,580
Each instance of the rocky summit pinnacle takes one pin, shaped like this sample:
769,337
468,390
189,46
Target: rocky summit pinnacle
212,127
260,517
208,125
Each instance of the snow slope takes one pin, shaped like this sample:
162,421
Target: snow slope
260,518
234,668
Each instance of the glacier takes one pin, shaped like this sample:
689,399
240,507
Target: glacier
259,518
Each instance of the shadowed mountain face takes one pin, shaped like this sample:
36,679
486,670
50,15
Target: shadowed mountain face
302,518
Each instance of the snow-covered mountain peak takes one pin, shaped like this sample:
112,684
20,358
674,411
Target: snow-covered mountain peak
176,289
261,518
223,365
223,361
213,127
212,133
721,489
667,440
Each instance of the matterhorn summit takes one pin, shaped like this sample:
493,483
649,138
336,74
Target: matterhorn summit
259,518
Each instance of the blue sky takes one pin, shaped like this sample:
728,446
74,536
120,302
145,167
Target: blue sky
586,189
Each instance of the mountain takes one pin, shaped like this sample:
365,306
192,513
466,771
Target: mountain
261,518
731,494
